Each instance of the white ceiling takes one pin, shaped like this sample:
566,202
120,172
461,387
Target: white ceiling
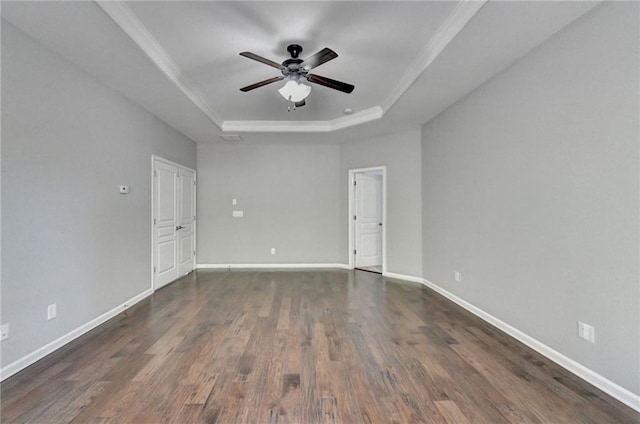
179,59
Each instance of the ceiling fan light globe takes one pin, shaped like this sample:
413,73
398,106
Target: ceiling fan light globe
295,91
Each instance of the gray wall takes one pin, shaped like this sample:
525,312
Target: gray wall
400,153
294,198
68,236
290,197
530,190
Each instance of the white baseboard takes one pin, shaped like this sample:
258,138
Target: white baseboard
403,277
269,266
40,353
623,395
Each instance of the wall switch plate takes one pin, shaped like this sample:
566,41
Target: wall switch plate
124,189
457,276
234,202
273,250
238,214
587,332
52,311
4,331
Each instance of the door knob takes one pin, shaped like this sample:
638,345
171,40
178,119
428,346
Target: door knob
380,224
179,227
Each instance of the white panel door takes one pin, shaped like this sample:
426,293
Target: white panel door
174,223
186,221
165,223
368,223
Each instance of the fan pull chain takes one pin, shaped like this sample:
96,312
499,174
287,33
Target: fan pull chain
291,105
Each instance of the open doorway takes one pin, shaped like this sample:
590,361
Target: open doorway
367,219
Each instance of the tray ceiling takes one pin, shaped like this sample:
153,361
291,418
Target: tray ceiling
179,59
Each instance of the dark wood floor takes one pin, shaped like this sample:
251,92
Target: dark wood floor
300,347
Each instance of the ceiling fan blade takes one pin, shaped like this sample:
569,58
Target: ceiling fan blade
261,83
262,60
319,58
331,83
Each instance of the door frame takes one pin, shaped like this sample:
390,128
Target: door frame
154,159
352,228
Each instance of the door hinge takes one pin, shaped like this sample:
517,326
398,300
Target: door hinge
155,173
355,217
154,221
355,252
194,253
355,183
154,269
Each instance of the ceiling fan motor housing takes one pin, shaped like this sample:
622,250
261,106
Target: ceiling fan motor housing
292,66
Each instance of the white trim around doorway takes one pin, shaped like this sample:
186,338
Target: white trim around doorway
351,234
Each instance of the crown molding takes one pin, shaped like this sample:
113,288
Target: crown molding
124,17
454,23
276,126
358,118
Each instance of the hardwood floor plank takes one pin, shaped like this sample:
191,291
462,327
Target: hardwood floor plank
451,412
300,346
67,407
521,360
123,400
33,404
12,392
284,314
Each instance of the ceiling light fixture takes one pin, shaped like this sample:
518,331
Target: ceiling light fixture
294,91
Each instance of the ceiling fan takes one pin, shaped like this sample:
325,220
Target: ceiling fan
296,71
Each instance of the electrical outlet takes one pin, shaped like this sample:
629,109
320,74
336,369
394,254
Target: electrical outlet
457,276
273,250
4,331
52,311
587,332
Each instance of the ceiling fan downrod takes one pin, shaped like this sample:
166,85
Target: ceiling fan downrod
294,50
